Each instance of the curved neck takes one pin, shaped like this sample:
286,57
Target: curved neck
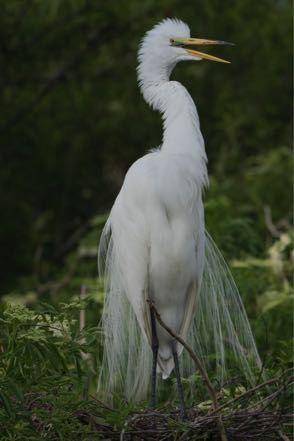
181,134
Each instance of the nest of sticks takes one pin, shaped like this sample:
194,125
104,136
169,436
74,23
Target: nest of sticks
253,415
258,414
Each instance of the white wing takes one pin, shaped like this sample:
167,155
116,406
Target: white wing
220,332
155,224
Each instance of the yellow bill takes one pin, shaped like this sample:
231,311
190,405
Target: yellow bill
183,42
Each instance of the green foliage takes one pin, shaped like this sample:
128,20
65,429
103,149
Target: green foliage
48,370
48,376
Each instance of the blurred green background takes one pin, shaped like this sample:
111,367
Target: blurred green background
73,121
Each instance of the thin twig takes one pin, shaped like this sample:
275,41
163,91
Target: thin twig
132,419
199,366
251,391
269,222
282,436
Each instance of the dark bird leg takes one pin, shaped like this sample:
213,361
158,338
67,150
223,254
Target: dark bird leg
154,346
183,414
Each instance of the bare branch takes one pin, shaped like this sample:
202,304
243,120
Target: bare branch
199,366
269,222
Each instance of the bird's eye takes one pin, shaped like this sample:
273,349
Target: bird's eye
174,42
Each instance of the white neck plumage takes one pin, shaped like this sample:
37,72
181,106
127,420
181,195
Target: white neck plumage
181,133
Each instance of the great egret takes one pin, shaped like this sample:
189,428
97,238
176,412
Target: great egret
154,245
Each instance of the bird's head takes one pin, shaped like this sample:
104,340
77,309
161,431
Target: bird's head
169,42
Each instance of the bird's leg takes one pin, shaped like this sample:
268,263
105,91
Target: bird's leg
183,414
154,346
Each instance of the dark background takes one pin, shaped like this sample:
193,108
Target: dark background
73,121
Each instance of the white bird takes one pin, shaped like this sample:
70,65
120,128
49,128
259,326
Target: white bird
154,245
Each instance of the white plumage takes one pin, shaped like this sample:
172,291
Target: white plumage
154,244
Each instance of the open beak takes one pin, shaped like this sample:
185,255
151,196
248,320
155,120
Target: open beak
183,42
